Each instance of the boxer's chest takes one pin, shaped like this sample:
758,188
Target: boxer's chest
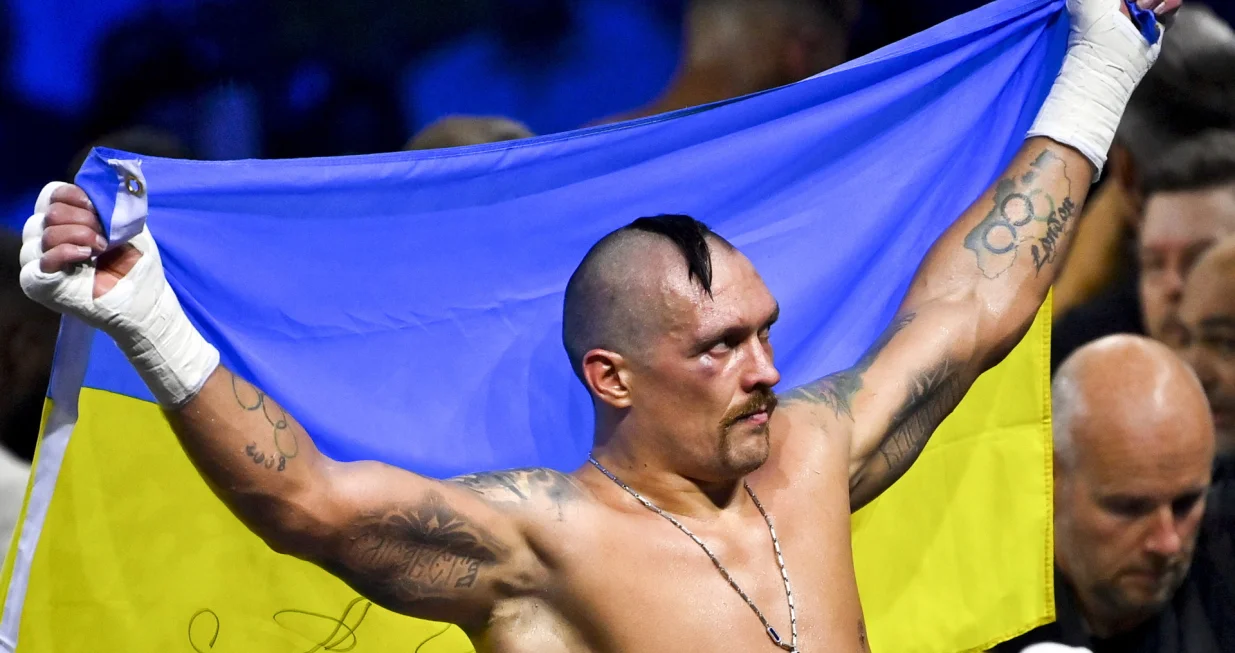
635,582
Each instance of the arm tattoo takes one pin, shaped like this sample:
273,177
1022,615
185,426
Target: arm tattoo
1023,214
277,463
416,553
836,390
933,396
250,399
518,486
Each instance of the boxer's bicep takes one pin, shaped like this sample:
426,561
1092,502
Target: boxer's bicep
890,401
438,550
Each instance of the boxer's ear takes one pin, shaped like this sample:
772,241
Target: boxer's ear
607,377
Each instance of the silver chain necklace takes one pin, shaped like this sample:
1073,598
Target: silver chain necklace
792,646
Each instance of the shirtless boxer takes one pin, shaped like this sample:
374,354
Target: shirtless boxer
671,537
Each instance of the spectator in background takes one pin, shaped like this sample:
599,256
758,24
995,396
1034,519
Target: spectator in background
457,131
1189,206
733,48
1189,90
1135,547
1203,333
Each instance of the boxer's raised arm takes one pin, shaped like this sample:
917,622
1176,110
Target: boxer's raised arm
971,301
433,549
980,286
440,550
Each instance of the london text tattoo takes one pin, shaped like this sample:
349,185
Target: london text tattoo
1024,214
416,552
251,399
836,390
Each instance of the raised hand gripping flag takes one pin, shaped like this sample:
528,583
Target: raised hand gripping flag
407,308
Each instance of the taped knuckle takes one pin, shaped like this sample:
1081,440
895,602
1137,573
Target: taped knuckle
31,282
33,229
31,251
45,196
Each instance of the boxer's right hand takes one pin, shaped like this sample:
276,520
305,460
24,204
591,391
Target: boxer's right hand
70,234
66,267
122,292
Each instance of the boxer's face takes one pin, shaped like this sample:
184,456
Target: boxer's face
708,379
1178,228
1127,509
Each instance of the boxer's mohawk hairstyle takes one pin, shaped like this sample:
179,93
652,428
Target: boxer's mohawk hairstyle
603,305
690,236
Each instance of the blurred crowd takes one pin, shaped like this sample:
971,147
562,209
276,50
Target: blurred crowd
1143,352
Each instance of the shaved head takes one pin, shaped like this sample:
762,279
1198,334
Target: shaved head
1134,451
667,325
612,299
1123,386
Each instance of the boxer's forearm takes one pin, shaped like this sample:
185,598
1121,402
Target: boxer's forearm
256,457
997,262
994,266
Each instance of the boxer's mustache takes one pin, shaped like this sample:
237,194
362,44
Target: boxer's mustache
763,400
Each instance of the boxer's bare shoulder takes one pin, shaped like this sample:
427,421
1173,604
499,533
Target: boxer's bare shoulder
530,488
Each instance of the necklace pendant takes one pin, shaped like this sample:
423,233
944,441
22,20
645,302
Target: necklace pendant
780,642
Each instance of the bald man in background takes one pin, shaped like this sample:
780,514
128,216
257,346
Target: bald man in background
1134,546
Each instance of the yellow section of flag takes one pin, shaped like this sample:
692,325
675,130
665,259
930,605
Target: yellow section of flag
136,554
958,555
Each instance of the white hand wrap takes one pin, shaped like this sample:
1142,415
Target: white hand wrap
1106,59
141,313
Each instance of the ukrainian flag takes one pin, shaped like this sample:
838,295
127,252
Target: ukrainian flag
407,308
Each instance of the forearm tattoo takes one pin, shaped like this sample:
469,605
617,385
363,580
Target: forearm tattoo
1024,217
836,391
415,553
933,394
283,434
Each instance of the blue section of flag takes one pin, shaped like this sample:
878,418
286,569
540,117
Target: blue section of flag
407,307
